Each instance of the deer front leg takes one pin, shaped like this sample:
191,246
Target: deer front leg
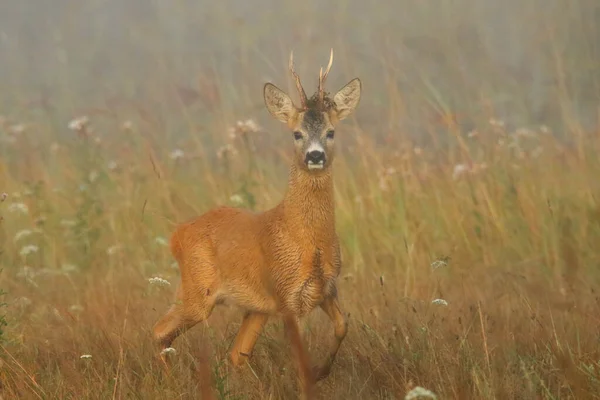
247,336
306,379
332,308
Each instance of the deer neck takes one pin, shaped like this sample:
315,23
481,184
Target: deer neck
308,205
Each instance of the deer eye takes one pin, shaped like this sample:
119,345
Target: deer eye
297,135
330,134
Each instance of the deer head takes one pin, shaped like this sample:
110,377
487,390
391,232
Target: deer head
313,123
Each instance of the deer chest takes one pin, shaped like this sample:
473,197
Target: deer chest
318,281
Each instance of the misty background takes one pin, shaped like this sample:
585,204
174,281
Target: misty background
525,62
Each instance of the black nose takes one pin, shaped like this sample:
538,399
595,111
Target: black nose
315,156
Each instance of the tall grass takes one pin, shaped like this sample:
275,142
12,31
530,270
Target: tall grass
467,198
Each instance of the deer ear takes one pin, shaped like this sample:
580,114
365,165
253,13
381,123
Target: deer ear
278,103
346,99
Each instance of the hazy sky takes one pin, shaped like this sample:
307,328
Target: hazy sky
460,50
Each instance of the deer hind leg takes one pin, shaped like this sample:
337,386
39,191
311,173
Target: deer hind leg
171,325
332,308
252,325
180,318
194,300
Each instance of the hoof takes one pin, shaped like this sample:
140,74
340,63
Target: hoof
239,359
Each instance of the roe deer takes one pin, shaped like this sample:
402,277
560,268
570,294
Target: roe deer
280,262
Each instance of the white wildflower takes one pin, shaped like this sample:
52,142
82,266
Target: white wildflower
440,302
112,165
251,125
161,241
76,308
459,170
17,129
227,150
438,264
168,350
472,168
176,154
23,233
93,175
57,313
66,268
3,197
242,128
159,281
79,123
496,123
18,207
85,356
67,223
127,125
23,302
28,249
50,271
385,176
418,391
27,273
112,250
236,199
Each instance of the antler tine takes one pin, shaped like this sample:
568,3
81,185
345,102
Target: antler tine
323,76
303,99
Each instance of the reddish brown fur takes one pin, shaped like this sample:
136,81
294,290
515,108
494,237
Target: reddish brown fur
281,262
293,332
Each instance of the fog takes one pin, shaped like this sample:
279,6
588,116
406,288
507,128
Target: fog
531,61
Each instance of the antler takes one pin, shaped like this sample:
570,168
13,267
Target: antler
303,100
323,76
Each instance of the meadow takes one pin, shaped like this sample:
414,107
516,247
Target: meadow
467,194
